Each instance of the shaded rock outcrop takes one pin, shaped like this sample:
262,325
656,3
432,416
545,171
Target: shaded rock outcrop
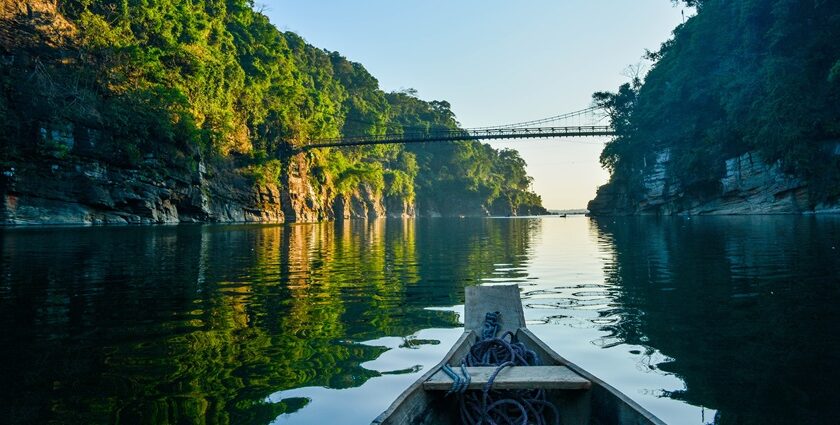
76,190
749,186
93,192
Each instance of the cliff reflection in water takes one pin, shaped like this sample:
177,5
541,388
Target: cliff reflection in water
195,324
307,323
745,306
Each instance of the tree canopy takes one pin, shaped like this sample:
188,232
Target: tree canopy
740,76
215,79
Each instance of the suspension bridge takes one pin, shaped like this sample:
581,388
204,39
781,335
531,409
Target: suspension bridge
585,122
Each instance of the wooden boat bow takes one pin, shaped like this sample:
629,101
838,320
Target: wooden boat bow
580,397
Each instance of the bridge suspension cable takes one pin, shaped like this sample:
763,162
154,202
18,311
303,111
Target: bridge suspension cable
590,112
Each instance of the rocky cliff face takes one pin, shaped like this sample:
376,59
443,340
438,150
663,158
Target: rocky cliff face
64,188
749,186
61,183
93,192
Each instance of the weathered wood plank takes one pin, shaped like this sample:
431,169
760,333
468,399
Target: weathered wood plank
481,300
413,404
608,404
515,378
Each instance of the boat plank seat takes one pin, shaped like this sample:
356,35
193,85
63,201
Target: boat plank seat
582,398
514,378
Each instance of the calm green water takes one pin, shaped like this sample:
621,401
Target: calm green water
728,320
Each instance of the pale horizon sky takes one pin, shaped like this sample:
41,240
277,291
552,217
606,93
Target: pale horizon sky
497,62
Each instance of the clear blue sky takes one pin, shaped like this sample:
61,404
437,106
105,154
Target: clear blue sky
496,62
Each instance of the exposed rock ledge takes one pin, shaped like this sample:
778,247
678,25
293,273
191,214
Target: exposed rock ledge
91,192
749,186
83,191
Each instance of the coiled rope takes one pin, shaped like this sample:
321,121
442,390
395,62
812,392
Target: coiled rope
488,406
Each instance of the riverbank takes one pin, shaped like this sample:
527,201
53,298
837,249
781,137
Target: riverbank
81,191
749,185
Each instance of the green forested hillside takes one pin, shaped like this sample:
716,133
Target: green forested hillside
215,80
740,76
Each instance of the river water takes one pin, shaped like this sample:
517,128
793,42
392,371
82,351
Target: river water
730,320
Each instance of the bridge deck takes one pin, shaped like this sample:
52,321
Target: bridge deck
459,135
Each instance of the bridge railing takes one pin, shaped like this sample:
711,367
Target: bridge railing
466,134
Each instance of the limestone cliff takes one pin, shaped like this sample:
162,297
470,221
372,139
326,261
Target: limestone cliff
78,190
749,186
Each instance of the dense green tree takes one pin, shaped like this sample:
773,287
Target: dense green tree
215,80
738,77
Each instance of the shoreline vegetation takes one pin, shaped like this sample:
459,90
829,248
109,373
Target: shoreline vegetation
737,115
191,112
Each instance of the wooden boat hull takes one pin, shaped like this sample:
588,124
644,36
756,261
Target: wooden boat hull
599,404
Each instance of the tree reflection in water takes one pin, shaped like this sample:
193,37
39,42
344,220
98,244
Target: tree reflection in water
201,324
745,306
246,324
